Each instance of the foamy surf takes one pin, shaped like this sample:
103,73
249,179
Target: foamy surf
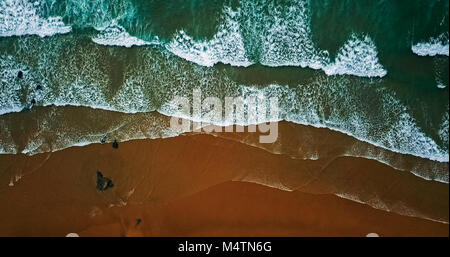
433,47
21,17
50,133
280,38
246,36
116,35
358,57
227,45
444,129
89,87
15,91
281,35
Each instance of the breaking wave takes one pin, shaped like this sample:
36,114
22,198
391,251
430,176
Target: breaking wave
227,46
256,32
21,17
434,46
357,57
71,71
116,35
281,37
325,102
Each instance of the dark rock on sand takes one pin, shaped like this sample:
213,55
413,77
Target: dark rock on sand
20,74
115,144
138,221
103,183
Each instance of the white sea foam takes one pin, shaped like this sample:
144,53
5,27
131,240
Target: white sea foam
227,46
10,89
308,113
51,136
147,87
434,46
444,129
90,89
12,97
429,170
416,143
349,197
21,17
79,93
33,145
270,115
357,57
281,37
131,97
424,147
399,133
422,175
411,139
116,35
7,144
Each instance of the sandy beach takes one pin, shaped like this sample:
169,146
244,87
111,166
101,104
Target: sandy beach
202,185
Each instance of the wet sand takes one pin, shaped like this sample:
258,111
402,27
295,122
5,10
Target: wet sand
248,209
200,185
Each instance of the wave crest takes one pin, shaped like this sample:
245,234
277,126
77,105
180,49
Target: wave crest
116,35
227,45
357,57
275,36
434,46
21,17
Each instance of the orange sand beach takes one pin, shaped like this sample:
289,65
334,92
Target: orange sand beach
204,185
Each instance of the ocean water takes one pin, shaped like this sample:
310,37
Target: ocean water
372,69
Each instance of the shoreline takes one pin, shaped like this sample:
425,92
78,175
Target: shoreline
164,118
295,140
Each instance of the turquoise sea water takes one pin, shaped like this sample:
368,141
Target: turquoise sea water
373,69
